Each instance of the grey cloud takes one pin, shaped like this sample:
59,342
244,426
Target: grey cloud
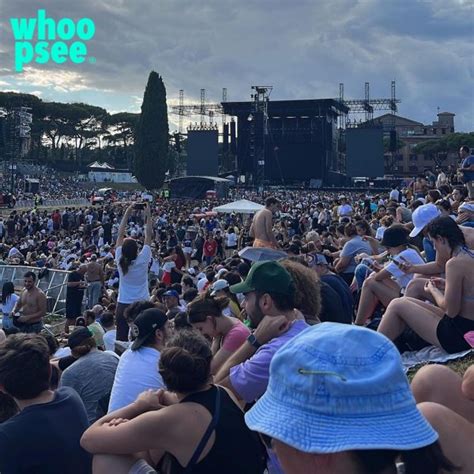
304,48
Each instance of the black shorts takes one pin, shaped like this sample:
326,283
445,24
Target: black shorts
450,333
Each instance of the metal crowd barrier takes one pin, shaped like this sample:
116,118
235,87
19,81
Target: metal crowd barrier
52,282
30,203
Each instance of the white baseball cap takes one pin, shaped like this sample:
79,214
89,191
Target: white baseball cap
422,216
219,285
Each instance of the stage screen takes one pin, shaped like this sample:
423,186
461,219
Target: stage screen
364,152
202,151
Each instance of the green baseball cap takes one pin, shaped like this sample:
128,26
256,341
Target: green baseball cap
266,277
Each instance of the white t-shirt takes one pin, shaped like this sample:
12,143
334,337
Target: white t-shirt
109,340
137,371
400,276
380,232
394,195
7,308
133,285
155,266
231,240
168,266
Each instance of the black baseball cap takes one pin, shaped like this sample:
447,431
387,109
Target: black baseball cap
395,236
146,323
78,336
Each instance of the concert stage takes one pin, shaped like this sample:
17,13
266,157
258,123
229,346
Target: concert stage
289,141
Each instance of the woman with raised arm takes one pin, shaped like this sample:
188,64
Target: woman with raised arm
132,267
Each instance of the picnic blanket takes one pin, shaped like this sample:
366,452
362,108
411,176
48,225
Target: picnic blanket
429,354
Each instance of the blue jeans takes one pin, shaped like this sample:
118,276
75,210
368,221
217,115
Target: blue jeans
361,272
94,290
34,328
7,321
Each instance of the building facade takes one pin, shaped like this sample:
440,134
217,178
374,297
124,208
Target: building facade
405,161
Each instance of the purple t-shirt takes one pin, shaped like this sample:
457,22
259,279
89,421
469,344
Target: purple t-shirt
250,378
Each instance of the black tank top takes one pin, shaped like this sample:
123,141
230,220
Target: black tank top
236,449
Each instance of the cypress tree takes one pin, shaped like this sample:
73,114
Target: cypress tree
151,139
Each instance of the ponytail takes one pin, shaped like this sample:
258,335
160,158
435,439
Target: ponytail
129,254
124,263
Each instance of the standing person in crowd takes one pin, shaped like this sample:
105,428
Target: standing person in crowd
188,431
226,333
467,169
30,309
133,269
9,301
43,438
231,241
261,229
446,323
338,401
198,246
74,294
187,249
92,374
95,281
220,244
209,249
169,265
137,369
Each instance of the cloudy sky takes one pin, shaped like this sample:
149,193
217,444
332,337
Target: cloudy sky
303,48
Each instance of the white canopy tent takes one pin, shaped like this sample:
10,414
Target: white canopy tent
243,206
103,166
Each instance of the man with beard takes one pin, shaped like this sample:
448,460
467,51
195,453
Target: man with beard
31,307
269,303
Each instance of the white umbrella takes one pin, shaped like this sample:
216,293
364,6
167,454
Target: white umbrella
243,206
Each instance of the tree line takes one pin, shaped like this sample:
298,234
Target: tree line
81,133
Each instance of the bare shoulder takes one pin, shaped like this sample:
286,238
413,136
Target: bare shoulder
40,293
185,415
457,264
468,235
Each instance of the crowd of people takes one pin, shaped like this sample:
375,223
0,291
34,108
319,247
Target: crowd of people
203,342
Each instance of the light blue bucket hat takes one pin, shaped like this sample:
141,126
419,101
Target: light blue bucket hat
337,387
